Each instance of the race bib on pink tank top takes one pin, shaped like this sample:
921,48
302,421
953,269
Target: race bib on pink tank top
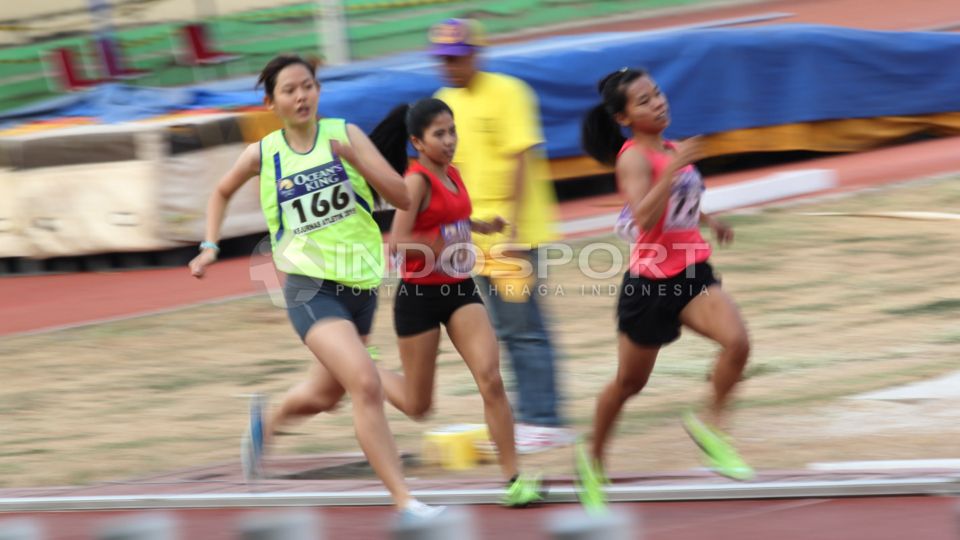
626,227
683,209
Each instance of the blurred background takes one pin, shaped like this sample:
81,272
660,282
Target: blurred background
173,42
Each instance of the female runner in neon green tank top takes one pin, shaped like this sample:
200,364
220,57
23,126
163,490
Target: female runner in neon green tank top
319,212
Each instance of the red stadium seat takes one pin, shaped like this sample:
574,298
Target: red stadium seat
199,50
67,71
112,61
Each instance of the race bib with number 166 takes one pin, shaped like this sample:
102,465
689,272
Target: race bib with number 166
316,198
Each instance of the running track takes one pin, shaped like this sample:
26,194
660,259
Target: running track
890,518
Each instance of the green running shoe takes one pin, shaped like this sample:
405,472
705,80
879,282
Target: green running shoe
720,453
590,481
523,491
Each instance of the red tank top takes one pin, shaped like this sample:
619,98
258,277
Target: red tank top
447,215
675,242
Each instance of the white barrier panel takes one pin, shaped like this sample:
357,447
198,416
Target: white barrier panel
771,188
93,208
186,182
12,243
85,190
119,188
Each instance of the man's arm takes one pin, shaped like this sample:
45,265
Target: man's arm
519,191
523,134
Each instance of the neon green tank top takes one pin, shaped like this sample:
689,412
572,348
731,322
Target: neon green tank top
319,210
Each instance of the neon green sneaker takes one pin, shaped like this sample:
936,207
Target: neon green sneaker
590,481
717,448
523,491
374,353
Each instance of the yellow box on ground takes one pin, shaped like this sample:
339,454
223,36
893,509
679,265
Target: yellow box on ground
453,447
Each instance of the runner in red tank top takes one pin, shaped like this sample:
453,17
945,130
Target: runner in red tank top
444,218
432,242
670,283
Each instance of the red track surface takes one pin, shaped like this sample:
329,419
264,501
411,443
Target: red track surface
888,518
889,15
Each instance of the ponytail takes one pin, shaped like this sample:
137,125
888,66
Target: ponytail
392,133
390,138
600,136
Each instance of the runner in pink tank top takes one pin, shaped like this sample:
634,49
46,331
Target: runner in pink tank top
432,240
674,242
670,284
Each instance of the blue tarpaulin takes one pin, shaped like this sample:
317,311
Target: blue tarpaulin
716,80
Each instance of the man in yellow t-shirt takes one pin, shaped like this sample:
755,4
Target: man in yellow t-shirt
502,161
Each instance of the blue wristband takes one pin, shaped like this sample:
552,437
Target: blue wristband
209,245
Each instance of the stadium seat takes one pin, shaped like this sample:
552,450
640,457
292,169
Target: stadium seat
199,50
112,65
67,70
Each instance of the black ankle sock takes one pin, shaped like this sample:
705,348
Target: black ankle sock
512,480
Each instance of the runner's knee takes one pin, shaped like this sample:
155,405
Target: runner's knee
366,388
738,347
420,408
631,384
490,383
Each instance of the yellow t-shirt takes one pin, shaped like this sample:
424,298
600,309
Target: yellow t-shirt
498,117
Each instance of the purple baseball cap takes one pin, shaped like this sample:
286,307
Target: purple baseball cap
456,37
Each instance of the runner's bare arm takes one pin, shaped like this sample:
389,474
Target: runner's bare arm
403,220
647,204
495,225
246,167
401,232
363,155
